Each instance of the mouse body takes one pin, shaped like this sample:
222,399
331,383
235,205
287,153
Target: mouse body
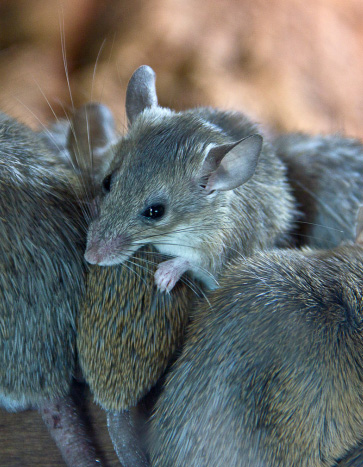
42,232
199,185
42,272
271,370
128,332
325,173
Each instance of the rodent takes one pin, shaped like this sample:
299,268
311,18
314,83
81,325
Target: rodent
271,370
198,185
42,235
325,172
127,333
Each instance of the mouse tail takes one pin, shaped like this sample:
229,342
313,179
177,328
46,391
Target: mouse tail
66,428
126,439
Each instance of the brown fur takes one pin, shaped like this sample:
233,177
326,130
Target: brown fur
127,331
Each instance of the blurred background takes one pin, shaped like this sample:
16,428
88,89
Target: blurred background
291,65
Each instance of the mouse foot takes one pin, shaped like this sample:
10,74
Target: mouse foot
169,272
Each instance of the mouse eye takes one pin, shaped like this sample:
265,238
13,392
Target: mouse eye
106,184
156,211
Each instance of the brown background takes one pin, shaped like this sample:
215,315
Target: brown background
295,65
292,65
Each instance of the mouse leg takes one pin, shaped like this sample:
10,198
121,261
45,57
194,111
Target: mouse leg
126,439
62,420
169,272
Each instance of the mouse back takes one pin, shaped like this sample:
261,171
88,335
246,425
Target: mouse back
128,331
271,370
42,270
316,164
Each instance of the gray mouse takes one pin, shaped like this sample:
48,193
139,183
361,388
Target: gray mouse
325,172
42,234
271,371
127,331
199,185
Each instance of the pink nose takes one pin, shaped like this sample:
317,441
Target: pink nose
92,255
106,252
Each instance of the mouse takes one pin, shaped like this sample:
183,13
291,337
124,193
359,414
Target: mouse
271,369
127,334
200,185
42,233
325,173
127,331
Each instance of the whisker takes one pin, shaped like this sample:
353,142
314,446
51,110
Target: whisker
320,225
46,99
95,67
108,63
133,270
145,261
322,204
64,54
197,290
45,128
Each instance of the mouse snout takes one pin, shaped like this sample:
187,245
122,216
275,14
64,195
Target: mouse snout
106,252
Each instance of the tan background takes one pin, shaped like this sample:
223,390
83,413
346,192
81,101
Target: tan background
293,64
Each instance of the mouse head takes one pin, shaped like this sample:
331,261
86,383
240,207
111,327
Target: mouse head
169,180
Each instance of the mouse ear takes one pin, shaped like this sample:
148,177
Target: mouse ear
91,132
141,92
231,165
359,226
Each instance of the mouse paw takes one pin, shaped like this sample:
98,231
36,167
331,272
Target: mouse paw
169,272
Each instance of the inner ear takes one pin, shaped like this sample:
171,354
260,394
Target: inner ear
141,92
230,165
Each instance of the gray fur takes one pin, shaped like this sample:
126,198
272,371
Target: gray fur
141,92
161,160
325,173
42,272
271,371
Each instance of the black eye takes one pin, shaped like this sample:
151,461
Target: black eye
154,212
106,184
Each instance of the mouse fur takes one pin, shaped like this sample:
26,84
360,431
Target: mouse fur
43,217
325,173
175,160
271,370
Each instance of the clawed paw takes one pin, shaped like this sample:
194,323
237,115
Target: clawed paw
169,272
